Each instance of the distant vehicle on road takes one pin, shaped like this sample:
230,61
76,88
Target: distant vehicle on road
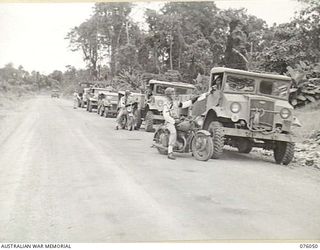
55,93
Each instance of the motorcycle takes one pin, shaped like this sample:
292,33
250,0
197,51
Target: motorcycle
190,138
128,120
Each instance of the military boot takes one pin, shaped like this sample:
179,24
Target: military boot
171,156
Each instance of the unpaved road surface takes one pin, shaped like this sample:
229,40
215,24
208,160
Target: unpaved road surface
67,176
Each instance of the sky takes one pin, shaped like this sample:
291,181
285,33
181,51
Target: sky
32,34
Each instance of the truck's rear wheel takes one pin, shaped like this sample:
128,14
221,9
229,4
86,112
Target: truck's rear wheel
283,152
149,122
215,129
138,119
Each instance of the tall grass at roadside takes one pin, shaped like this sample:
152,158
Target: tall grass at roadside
309,116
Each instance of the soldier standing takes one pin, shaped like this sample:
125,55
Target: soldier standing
122,107
75,100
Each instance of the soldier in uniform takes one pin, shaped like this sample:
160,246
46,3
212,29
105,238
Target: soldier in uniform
122,107
170,114
75,99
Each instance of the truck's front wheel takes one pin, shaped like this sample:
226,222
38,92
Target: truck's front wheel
283,152
138,119
215,129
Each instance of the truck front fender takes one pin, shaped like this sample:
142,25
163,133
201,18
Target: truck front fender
213,115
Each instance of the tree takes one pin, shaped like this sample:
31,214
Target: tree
86,38
114,29
244,34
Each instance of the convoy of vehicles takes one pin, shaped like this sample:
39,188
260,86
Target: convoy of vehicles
243,110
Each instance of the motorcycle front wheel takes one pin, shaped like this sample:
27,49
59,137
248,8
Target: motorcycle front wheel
202,146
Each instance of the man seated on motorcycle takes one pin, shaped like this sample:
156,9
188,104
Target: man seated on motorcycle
124,101
170,115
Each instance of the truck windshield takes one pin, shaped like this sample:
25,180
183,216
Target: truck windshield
239,84
178,91
160,89
274,88
182,91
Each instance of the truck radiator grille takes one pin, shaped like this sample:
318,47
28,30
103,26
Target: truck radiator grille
266,113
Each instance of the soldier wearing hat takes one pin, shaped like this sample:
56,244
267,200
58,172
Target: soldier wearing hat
170,114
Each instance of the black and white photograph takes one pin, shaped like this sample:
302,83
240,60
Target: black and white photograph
159,122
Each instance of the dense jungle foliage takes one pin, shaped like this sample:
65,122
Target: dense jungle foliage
183,41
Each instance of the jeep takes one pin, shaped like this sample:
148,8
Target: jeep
151,111
92,97
107,104
246,109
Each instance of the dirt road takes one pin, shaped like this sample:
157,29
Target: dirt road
67,176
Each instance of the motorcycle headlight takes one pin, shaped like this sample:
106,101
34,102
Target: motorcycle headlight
235,107
285,113
199,121
160,103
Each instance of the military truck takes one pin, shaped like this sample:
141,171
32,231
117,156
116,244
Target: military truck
92,97
248,109
151,111
108,104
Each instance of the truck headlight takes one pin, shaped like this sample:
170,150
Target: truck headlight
285,113
235,107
